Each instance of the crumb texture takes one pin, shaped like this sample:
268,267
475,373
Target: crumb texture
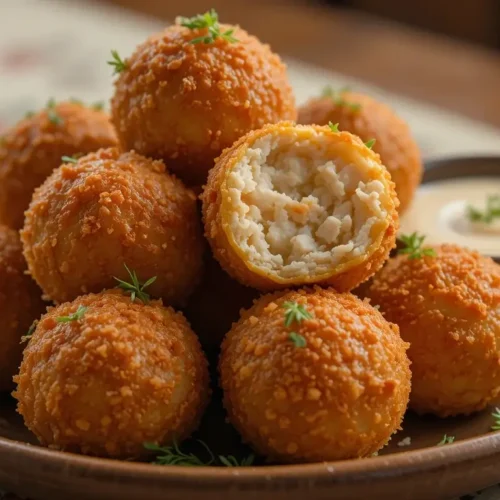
448,308
110,209
341,396
126,373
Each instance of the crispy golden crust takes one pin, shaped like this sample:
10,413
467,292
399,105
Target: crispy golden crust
216,303
341,396
31,150
20,304
448,308
344,277
125,374
89,219
374,120
186,102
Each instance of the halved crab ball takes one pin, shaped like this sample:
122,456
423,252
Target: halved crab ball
289,205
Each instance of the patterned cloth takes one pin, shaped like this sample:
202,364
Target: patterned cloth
56,48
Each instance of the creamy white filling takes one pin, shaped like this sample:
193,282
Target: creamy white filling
297,211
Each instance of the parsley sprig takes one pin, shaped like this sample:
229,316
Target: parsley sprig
370,143
297,339
76,316
52,113
136,288
446,440
173,455
334,127
496,416
210,21
69,159
413,246
337,96
297,313
491,212
30,332
117,62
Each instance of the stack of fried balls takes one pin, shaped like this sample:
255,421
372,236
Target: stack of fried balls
208,192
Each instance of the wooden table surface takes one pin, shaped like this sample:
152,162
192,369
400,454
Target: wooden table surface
448,73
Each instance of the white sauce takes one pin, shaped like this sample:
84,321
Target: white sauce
439,211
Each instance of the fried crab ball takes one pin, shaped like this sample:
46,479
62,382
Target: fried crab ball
216,304
32,149
102,375
110,210
332,385
289,205
370,119
448,308
20,304
185,102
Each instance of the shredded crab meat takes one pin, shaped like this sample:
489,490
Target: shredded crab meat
298,211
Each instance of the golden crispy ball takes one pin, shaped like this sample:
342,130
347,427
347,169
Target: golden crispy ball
448,308
124,374
370,119
340,396
289,205
31,150
110,209
186,102
216,303
20,304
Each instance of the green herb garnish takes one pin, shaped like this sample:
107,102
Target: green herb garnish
69,159
496,416
297,339
210,21
136,288
30,332
334,127
369,144
337,97
29,114
98,105
173,455
491,212
77,316
295,312
52,114
413,246
117,62
446,440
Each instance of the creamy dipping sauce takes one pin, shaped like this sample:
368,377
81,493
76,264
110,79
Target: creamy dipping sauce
439,211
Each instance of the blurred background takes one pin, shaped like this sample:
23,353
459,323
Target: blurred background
437,62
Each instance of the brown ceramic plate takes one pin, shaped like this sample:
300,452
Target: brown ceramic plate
419,471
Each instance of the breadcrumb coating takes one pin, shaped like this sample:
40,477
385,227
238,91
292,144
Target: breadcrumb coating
374,120
341,396
125,374
32,149
375,224
448,309
20,304
110,209
185,103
